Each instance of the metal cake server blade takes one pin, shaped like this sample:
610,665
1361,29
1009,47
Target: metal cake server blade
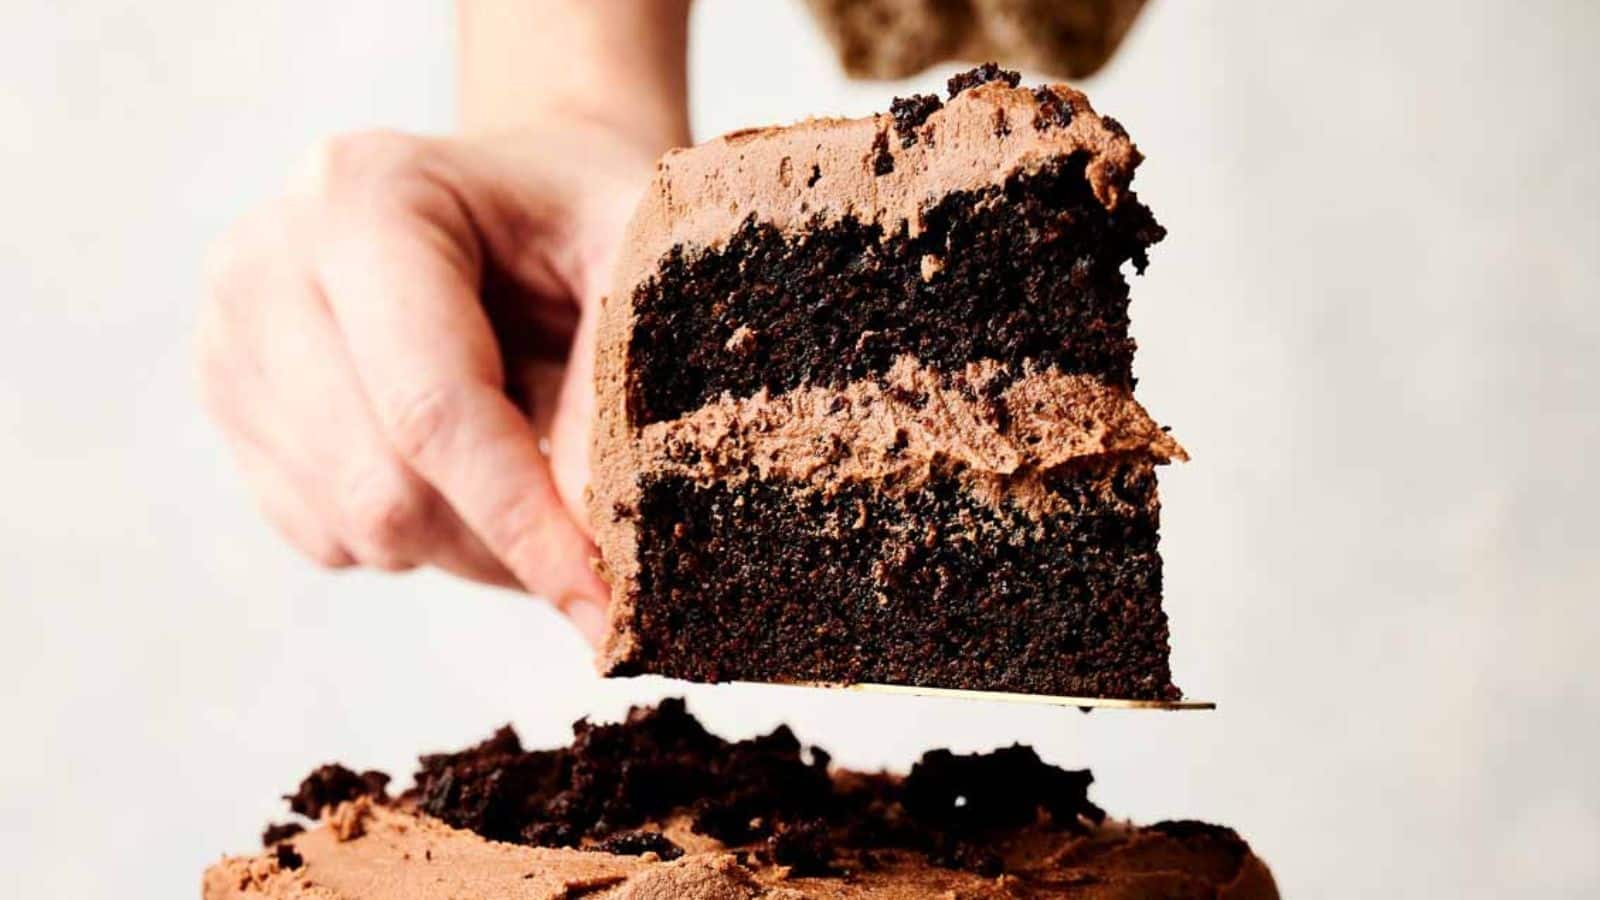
1083,703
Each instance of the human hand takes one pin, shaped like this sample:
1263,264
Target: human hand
398,351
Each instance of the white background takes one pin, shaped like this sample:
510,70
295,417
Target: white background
1374,324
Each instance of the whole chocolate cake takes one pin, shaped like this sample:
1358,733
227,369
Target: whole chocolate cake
866,410
657,807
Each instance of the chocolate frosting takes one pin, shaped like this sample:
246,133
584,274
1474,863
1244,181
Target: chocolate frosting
898,431
656,806
397,854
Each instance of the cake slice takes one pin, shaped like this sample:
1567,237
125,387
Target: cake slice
657,807
866,409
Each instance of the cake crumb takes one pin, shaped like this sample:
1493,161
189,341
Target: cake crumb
981,75
330,785
260,872
280,832
1055,111
287,857
645,844
349,819
910,112
882,159
743,340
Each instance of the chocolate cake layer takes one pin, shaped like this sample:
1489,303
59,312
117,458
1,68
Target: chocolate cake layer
657,807
865,406
1028,270
932,587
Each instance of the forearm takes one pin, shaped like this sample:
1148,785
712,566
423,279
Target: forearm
621,62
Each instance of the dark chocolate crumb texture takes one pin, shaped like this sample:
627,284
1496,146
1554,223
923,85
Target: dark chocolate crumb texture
866,406
656,806
843,300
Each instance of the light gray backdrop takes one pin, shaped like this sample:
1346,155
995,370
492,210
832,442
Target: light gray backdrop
1374,324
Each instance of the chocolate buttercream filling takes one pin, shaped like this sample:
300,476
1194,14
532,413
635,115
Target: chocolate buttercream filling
900,431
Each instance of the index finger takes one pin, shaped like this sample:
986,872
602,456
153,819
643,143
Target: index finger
403,285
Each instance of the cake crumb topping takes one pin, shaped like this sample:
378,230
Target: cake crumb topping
910,112
757,819
328,786
981,75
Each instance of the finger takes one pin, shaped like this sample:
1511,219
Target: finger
384,513
240,266
589,617
248,264
275,375
461,553
403,290
285,507
389,517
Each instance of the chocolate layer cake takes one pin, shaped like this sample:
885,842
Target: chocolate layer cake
656,807
866,408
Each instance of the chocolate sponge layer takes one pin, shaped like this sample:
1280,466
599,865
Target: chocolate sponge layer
1025,270
768,581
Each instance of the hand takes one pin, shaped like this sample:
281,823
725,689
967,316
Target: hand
399,352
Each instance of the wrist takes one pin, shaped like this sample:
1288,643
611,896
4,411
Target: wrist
648,130
617,63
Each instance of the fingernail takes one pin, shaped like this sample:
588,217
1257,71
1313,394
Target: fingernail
589,617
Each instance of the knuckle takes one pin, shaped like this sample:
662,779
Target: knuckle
306,537
224,264
389,562
213,382
232,274
521,529
210,359
235,268
217,371
420,424
328,554
250,246
385,516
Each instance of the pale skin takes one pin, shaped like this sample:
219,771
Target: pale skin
399,348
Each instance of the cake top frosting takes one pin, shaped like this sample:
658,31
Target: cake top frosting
657,807
883,169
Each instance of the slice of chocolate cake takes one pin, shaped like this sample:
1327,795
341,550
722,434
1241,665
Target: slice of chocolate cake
657,807
866,410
